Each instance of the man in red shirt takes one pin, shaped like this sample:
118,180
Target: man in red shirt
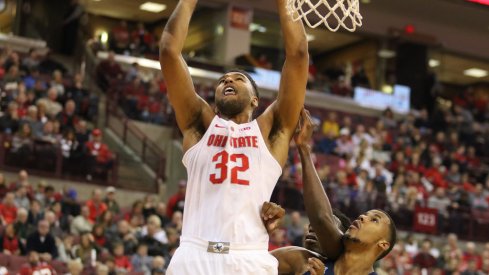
95,205
100,157
35,266
177,201
8,211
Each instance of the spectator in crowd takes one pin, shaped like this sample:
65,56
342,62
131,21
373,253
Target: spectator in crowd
10,243
53,108
135,217
99,236
440,202
22,144
161,213
149,206
122,262
154,237
133,72
42,242
424,259
125,235
75,267
35,213
8,210
120,38
9,122
277,239
82,223
99,156
32,119
36,265
21,199
65,248
177,201
21,226
110,201
140,261
108,70
331,126
68,118
85,248
344,145
176,221
95,205
57,83
470,255
81,132
295,230
479,200
158,265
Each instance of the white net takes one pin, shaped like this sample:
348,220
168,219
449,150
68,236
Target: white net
334,14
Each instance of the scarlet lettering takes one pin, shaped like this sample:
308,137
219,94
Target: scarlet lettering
235,142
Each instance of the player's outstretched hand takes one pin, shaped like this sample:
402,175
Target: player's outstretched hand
305,128
316,266
272,214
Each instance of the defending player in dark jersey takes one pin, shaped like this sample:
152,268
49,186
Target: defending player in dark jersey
368,239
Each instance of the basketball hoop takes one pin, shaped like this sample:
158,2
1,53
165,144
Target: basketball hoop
331,13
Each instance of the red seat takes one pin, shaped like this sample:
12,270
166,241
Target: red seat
4,260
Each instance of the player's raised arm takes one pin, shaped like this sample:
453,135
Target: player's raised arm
293,81
190,108
317,204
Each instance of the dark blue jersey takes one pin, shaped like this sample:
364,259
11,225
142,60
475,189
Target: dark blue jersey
329,269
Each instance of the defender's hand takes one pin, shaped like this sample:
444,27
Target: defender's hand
272,214
316,266
305,128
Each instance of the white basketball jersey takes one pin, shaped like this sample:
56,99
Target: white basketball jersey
231,173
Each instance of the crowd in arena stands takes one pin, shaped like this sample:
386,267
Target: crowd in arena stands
437,161
42,227
141,97
137,41
45,228
44,110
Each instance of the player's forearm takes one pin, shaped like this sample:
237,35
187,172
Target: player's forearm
176,29
295,39
316,202
318,207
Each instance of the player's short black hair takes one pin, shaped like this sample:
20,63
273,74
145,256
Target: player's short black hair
392,236
345,221
245,73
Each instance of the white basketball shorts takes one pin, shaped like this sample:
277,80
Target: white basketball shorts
195,256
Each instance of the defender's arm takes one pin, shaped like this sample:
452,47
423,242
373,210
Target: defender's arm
316,201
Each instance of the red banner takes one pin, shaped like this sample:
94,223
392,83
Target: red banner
241,17
425,220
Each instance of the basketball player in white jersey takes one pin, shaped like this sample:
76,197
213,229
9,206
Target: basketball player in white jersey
232,161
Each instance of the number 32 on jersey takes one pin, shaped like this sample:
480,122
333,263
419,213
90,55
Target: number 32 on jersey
224,163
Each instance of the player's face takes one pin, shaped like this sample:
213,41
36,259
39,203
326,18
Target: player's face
234,93
311,241
369,228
